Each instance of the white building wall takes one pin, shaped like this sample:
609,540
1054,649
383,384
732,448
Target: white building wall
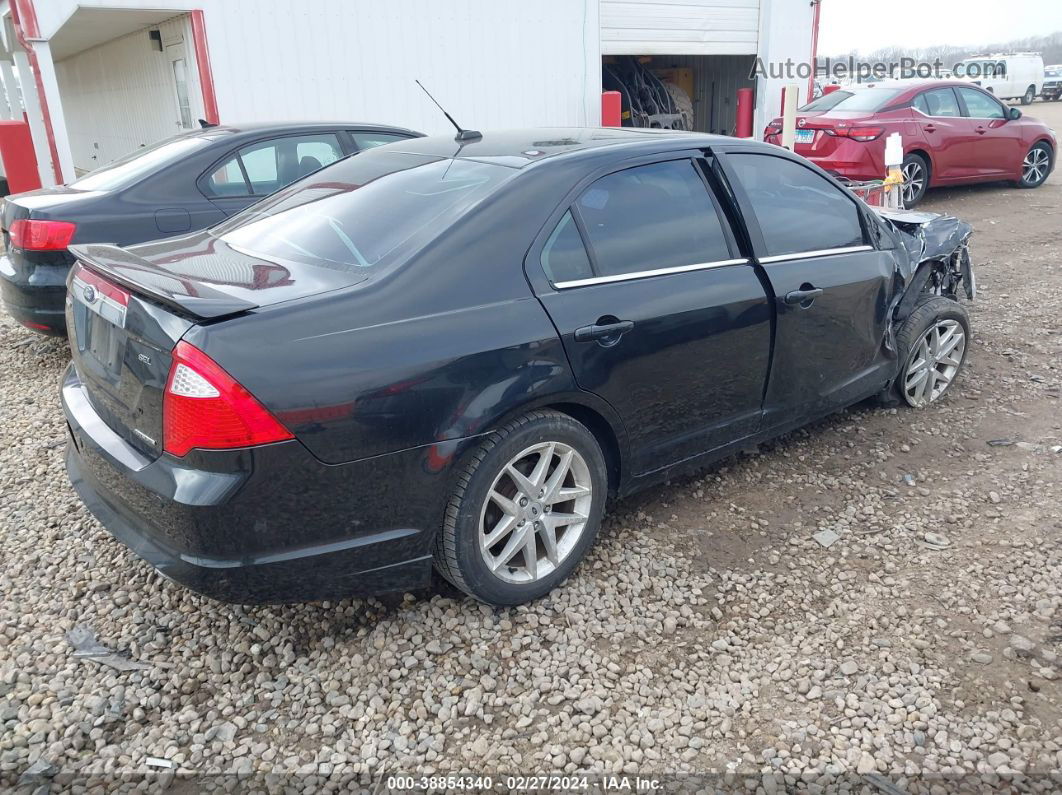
490,64
120,95
785,32
679,27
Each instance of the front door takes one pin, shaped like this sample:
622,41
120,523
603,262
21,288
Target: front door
942,126
991,148
831,287
658,313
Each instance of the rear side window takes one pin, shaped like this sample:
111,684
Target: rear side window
797,209
367,140
652,217
270,165
940,102
371,210
564,256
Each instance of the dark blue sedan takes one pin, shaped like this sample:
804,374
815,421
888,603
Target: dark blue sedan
179,185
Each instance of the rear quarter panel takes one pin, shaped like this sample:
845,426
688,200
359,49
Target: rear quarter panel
441,348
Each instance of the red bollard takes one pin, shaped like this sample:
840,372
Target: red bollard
611,109
744,113
20,161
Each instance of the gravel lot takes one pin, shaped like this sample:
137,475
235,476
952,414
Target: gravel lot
707,632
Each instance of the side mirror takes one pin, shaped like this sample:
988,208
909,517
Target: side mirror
1013,114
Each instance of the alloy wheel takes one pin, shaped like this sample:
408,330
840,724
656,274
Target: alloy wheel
934,362
914,179
535,512
1034,167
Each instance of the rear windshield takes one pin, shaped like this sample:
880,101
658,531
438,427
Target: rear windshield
137,164
370,210
865,99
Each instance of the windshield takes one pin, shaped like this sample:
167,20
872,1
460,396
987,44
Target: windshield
1053,72
864,99
128,169
366,211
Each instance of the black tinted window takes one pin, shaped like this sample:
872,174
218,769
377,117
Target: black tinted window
564,255
650,217
797,209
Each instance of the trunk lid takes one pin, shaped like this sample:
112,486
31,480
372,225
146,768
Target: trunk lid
128,308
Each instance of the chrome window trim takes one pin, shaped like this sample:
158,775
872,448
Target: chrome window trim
626,277
826,252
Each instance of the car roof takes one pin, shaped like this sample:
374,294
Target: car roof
282,127
523,147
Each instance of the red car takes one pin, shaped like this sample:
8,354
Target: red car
953,132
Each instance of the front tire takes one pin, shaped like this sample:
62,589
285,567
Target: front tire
525,509
1036,166
932,346
915,170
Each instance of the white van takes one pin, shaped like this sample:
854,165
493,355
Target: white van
1007,75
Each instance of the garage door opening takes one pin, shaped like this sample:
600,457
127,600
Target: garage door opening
678,92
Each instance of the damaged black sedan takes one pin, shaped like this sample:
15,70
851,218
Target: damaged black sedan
451,353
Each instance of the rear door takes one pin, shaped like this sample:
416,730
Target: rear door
831,287
659,313
943,127
256,170
992,148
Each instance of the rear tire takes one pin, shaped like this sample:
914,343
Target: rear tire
916,179
1029,96
931,347
506,493
1036,166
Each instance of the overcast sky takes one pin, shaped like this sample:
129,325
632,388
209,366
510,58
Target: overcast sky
866,26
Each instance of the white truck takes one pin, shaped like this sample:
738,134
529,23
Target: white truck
1007,75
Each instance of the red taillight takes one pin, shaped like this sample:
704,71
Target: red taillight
204,407
42,235
773,128
862,134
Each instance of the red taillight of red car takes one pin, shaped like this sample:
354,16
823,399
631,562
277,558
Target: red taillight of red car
42,235
206,408
857,133
773,128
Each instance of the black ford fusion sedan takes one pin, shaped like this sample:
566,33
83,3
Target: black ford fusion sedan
449,354
185,183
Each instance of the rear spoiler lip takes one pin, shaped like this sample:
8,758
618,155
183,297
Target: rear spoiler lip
119,265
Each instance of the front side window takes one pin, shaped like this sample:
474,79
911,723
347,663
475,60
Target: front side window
367,140
797,210
979,105
941,102
652,217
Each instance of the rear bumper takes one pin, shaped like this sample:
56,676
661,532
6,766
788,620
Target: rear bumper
35,295
275,526
855,160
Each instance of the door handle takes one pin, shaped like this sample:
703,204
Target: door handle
605,333
930,128
981,130
804,296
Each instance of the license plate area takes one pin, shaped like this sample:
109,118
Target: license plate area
100,309
805,136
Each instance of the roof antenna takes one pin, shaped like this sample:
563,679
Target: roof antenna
462,135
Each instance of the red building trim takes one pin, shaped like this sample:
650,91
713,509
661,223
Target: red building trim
206,76
24,18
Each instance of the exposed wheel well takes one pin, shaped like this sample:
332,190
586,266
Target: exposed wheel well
602,431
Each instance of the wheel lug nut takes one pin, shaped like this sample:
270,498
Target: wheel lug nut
523,501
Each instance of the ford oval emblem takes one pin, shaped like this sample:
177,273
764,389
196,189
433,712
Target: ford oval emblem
90,293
